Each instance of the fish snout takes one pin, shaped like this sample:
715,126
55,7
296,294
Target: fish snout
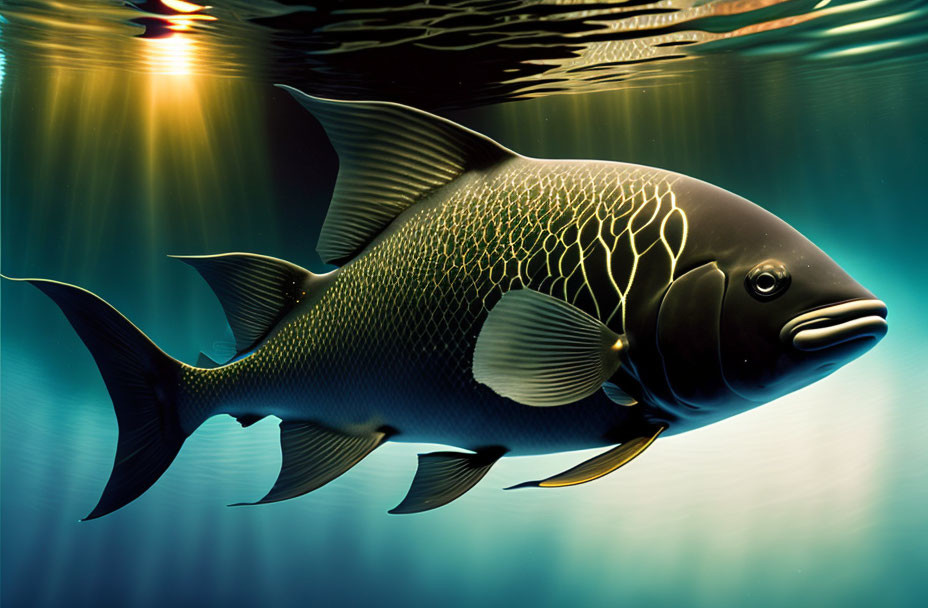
857,320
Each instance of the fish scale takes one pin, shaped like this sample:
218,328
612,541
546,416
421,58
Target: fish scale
419,294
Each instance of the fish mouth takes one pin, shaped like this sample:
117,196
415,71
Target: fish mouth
837,324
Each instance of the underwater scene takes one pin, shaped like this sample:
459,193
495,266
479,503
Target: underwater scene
444,293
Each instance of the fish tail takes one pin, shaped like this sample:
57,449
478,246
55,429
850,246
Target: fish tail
144,384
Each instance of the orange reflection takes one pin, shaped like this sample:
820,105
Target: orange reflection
183,7
171,56
189,13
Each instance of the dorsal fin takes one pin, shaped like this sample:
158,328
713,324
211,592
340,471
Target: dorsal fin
255,291
390,156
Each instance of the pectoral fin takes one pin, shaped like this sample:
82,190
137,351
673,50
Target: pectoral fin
541,351
598,466
314,455
444,476
617,395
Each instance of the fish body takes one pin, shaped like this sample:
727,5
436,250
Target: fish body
491,302
389,338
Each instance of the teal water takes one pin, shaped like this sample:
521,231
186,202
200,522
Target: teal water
815,499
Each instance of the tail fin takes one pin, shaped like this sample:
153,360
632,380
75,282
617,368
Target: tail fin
143,382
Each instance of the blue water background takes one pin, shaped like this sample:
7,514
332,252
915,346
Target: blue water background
817,499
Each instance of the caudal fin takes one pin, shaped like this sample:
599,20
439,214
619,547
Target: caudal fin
143,382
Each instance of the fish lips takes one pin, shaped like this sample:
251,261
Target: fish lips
856,321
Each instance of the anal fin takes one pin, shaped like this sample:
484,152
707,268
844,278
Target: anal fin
445,476
206,362
598,466
314,455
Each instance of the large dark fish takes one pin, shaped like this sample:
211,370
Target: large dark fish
489,301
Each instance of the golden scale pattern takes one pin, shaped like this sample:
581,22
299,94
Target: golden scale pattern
410,307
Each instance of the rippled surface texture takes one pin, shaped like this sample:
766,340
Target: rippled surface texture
134,131
458,54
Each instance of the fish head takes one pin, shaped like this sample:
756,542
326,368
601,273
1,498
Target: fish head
756,310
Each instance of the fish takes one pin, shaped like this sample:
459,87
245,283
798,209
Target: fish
495,303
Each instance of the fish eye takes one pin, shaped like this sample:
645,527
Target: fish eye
767,280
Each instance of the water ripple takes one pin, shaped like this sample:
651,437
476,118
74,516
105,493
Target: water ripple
465,53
